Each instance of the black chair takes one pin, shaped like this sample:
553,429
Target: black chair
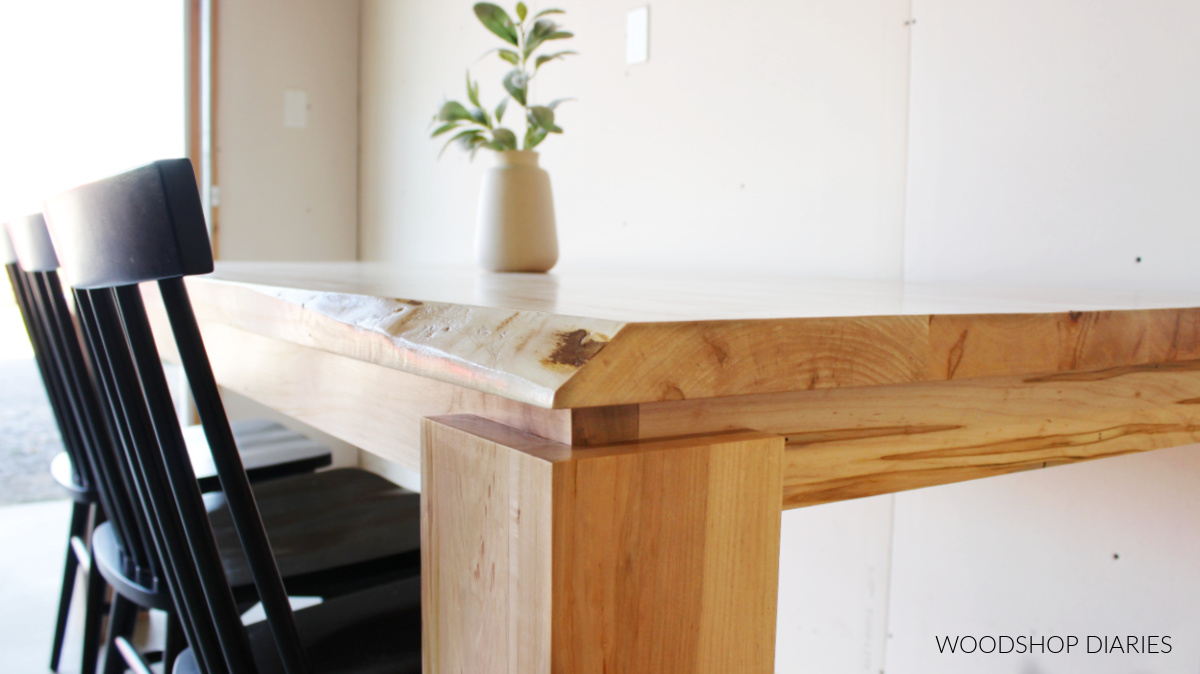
268,449
69,470
147,225
316,563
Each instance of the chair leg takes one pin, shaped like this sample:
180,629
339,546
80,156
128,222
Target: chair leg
79,518
175,643
93,612
122,620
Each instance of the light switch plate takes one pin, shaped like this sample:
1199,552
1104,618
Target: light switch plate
637,35
295,109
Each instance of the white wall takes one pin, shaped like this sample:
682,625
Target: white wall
287,193
1053,143
1102,549
834,575
773,121
1050,142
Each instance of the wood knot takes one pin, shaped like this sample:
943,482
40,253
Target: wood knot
575,348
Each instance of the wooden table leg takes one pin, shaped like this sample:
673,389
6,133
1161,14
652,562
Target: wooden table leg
658,556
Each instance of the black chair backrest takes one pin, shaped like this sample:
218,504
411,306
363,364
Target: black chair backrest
29,234
114,247
31,243
8,256
147,225
27,309
86,435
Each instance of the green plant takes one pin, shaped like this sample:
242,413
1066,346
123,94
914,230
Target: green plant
475,126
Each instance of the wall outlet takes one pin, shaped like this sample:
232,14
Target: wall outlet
637,35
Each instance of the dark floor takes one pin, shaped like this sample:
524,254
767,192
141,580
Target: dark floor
28,435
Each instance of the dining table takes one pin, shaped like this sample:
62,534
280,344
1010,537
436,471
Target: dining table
605,454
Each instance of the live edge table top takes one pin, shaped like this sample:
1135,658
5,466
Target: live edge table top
585,339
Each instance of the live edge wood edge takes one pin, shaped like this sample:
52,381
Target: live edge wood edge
842,443
555,361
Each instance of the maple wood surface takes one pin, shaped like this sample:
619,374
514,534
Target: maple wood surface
588,339
645,297
660,556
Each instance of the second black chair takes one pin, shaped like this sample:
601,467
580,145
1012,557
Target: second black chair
268,449
332,540
70,468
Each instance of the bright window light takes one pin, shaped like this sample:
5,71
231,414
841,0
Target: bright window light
87,89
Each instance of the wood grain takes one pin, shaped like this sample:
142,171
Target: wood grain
849,443
963,347
592,426
577,340
678,361
374,408
644,557
523,356
842,443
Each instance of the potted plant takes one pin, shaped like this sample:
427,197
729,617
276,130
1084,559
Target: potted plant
515,228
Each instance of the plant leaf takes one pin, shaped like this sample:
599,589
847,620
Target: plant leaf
521,11
453,111
531,45
475,144
472,90
480,116
497,20
554,104
541,29
461,137
505,138
542,116
546,58
444,128
544,12
533,137
500,110
515,83
506,54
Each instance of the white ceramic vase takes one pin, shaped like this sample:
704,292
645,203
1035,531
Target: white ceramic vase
516,230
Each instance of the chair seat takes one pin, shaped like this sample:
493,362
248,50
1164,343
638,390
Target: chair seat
138,587
327,520
376,631
268,451
64,475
